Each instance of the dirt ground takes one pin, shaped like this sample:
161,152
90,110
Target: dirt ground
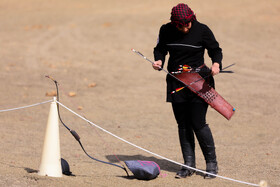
85,42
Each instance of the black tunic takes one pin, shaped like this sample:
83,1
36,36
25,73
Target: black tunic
186,49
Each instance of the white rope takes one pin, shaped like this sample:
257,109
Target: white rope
227,178
6,110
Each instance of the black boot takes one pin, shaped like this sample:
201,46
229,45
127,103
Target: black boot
211,167
206,142
185,172
186,137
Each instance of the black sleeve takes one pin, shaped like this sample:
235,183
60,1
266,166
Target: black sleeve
160,50
212,46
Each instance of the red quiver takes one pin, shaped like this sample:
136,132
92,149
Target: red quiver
199,86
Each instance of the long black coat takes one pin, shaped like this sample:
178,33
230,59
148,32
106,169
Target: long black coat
186,49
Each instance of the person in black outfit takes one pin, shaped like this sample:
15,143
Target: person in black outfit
185,39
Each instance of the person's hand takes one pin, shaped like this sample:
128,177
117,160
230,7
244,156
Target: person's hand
215,69
157,65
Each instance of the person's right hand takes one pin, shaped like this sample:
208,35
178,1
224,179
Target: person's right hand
157,65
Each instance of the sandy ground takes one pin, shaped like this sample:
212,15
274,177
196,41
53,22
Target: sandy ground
84,42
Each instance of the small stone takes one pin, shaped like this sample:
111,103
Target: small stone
72,94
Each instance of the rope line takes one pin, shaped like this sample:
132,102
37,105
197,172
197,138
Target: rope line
91,123
226,178
11,109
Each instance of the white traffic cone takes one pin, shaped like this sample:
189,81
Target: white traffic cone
51,159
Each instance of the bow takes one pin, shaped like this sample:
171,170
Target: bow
185,68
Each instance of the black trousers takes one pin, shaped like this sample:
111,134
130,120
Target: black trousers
190,115
191,119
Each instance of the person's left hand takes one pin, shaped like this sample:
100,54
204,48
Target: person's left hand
215,69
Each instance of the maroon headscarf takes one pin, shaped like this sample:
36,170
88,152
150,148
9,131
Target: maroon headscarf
182,15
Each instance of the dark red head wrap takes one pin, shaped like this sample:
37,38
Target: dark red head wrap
182,15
